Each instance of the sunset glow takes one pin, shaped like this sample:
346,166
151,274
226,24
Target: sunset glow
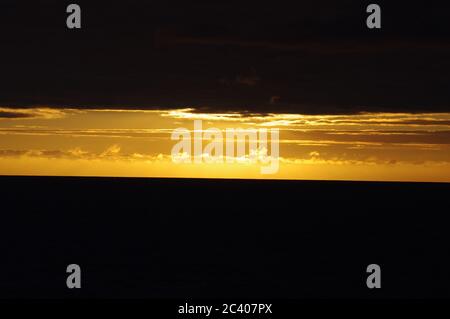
136,143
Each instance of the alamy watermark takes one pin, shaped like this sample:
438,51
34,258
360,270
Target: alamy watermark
263,148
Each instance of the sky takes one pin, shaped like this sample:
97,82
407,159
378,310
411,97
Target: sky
138,143
350,103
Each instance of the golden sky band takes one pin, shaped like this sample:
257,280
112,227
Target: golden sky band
142,143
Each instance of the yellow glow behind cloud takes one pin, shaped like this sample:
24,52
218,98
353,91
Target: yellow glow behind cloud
380,146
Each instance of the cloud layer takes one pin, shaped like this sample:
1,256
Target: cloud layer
308,57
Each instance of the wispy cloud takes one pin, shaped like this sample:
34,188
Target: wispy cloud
35,113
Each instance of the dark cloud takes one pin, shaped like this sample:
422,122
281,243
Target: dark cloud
12,153
314,56
13,115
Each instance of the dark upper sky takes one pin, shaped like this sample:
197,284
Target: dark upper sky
304,57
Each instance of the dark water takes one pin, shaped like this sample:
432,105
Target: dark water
187,238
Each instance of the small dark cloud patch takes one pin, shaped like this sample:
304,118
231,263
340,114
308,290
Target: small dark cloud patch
12,153
14,115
